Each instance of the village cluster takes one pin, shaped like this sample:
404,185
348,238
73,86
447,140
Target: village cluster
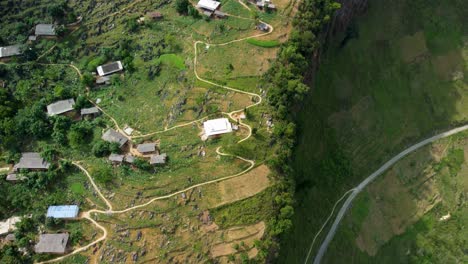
56,243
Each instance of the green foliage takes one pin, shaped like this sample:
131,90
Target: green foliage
263,43
172,60
32,121
103,175
79,134
453,161
101,148
182,6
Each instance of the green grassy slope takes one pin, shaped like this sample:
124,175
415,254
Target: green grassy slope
397,75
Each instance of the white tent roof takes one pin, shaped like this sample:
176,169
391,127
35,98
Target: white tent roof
217,126
208,4
9,225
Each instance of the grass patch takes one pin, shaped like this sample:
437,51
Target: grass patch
264,43
173,60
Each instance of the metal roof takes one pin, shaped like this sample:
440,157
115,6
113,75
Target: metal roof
109,68
158,159
60,107
113,136
31,160
63,211
9,51
129,158
45,30
15,177
90,111
208,4
146,147
52,243
116,157
217,126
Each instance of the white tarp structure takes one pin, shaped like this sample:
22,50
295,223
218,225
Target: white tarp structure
208,4
217,126
8,225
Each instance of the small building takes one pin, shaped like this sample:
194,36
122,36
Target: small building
158,159
112,136
47,30
129,159
10,51
14,177
219,14
217,126
8,225
154,15
208,5
31,161
61,107
63,211
263,27
146,148
116,158
52,243
103,80
109,68
90,112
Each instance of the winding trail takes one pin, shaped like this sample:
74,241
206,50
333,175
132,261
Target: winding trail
368,180
88,214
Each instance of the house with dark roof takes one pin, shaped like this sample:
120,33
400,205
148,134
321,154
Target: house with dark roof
129,159
31,161
46,30
146,148
63,211
158,159
61,107
52,243
116,158
109,68
89,112
112,136
10,51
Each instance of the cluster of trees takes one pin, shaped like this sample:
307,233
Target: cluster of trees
284,83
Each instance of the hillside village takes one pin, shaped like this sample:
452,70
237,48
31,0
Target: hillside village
130,127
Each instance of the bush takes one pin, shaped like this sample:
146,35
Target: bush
182,6
101,148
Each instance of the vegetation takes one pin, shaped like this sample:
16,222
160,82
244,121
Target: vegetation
375,93
264,43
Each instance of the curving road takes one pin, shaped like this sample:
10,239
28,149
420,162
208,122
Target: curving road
373,176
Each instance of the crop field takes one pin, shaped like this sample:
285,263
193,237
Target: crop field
376,92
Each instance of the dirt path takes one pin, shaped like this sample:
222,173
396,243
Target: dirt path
87,215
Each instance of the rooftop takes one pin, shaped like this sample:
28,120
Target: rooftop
31,160
158,159
52,243
129,158
15,177
116,157
63,211
8,225
60,107
217,126
45,30
9,51
113,136
146,147
90,111
208,4
109,68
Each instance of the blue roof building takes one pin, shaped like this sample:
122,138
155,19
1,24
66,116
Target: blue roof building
63,211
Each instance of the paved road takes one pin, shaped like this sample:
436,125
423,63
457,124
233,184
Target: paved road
373,176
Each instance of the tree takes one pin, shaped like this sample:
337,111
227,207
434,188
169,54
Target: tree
79,134
88,79
182,6
101,148
103,175
32,121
